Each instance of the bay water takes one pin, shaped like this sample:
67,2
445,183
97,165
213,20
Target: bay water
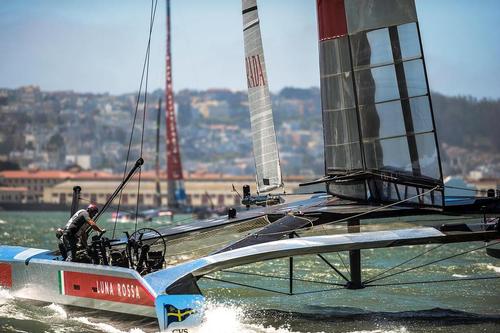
457,306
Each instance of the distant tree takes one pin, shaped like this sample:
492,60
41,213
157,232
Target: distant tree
184,113
55,143
297,93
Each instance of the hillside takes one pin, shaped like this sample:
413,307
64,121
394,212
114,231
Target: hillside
47,130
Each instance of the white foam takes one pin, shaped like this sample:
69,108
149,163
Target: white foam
459,276
8,307
2,221
401,329
224,318
58,310
493,268
5,296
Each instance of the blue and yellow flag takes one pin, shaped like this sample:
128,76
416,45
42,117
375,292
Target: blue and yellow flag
175,315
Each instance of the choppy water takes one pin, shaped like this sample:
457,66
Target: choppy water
463,306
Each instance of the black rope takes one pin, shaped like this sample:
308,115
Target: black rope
446,219
271,290
144,113
353,217
317,291
283,278
434,281
245,285
342,261
336,270
434,262
145,64
403,263
100,204
332,267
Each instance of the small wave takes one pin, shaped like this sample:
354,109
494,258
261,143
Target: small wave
2,221
348,314
10,310
105,327
487,266
58,310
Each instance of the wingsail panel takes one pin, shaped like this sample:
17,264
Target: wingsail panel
363,15
377,113
265,148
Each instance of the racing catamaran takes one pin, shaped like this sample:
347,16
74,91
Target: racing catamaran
381,161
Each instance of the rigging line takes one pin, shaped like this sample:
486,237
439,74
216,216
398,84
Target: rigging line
317,291
148,47
466,196
245,285
394,177
282,278
298,194
382,207
196,249
335,269
332,267
100,204
144,111
403,263
137,200
342,261
446,219
435,281
174,224
353,216
434,261
126,161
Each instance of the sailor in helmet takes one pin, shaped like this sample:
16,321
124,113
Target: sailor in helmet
76,229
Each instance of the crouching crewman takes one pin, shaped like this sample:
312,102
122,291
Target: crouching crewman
76,230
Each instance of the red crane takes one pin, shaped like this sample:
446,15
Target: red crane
175,181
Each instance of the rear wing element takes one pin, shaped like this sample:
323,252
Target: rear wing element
180,304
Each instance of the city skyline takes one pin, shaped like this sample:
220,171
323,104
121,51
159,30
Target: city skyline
89,46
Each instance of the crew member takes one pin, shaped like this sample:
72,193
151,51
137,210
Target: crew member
76,229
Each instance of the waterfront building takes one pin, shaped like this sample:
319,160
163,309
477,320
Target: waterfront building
55,187
9,194
36,181
203,190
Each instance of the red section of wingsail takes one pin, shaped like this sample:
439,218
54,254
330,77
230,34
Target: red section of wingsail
5,275
108,288
332,21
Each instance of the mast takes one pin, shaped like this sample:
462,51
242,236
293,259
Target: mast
157,157
175,181
265,147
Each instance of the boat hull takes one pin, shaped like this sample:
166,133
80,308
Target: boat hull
38,275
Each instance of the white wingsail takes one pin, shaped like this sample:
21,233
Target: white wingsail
265,148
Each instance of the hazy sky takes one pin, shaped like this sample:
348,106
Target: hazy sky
98,46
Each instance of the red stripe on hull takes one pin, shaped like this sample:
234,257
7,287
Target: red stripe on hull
108,288
5,275
332,21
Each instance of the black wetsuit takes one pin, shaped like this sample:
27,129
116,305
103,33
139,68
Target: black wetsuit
69,238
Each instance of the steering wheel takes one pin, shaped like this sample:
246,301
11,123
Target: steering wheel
138,246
